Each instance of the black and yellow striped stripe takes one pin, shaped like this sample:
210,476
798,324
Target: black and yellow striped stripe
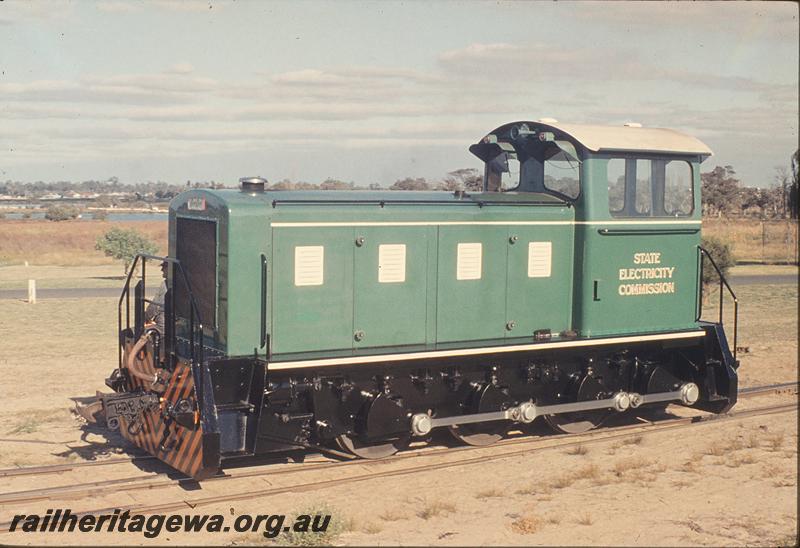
183,447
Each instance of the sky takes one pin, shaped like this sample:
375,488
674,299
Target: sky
372,92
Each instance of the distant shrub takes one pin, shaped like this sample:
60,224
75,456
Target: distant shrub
61,213
99,215
124,244
722,254
26,215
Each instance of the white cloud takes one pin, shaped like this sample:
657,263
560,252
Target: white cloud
770,18
118,7
187,6
181,68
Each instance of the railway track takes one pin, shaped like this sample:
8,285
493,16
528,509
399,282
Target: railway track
516,447
744,393
159,480
780,388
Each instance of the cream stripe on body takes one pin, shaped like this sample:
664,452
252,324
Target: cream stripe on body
463,223
327,362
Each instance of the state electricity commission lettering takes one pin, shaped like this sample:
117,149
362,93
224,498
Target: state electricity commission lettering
646,273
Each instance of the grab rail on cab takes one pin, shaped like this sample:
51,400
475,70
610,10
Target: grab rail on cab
702,254
195,322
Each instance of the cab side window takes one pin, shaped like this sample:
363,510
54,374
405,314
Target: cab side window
503,172
616,186
562,170
643,187
678,189
649,187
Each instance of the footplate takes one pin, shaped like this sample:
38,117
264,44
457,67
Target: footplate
168,424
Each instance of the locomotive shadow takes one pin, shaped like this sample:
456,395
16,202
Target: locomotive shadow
99,442
112,444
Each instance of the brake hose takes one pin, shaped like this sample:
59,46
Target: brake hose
148,378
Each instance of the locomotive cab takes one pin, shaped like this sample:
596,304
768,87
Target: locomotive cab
520,159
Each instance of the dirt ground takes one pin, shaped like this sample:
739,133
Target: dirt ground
726,483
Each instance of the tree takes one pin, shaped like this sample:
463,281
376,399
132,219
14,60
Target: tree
124,244
410,184
722,254
720,191
335,184
463,179
61,212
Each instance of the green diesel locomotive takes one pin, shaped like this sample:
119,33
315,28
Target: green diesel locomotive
569,288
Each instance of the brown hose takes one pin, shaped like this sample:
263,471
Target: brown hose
139,374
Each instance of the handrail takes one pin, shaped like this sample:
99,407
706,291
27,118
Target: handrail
195,321
722,282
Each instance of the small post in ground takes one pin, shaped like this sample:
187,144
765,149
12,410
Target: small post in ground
32,291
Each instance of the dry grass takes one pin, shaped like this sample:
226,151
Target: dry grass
494,492
690,467
735,461
633,440
752,441
753,240
562,481
436,508
577,450
336,527
601,480
394,514
584,519
372,528
775,441
770,469
783,482
16,277
628,465
526,525
66,242
29,422
721,448
591,471
534,489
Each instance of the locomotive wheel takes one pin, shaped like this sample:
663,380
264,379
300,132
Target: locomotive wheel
487,398
478,435
579,422
372,451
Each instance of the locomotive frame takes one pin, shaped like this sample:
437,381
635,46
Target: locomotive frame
281,333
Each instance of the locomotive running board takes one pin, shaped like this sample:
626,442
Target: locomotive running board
687,394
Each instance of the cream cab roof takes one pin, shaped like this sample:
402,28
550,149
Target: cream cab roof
597,138
628,137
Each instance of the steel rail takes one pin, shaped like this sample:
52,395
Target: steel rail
538,445
780,388
58,468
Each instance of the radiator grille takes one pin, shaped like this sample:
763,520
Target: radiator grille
196,249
